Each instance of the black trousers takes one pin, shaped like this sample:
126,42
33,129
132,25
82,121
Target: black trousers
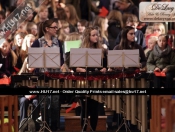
92,111
23,104
50,111
168,80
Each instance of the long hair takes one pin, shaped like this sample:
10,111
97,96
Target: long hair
43,25
124,42
115,15
86,40
73,15
98,22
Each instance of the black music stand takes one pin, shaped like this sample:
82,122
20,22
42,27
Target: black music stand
37,59
86,58
123,59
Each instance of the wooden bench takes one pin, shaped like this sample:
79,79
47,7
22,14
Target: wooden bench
9,101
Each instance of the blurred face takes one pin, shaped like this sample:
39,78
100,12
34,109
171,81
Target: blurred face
29,15
151,44
5,48
132,24
157,30
52,30
19,40
94,36
147,32
120,5
67,30
1,19
22,26
105,25
162,42
67,12
43,14
80,27
34,30
131,35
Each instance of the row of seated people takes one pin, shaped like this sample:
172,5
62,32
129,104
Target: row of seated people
161,58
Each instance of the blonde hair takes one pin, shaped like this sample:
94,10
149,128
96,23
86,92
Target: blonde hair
161,26
61,34
40,9
115,15
154,38
86,40
24,48
73,15
73,36
98,22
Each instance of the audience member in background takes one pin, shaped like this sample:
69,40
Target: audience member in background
32,28
128,42
102,24
162,59
127,6
61,14
84,8
131,20
8,59
72,17
158,28
42,14
81,25
50,6
152,41
115,26
63,31
18,41
149,30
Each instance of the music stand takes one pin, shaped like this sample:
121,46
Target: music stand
123,58
86,57
37,59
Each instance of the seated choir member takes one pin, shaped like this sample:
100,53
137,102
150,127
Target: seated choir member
47,33
162,59
90,39
8,59
128,42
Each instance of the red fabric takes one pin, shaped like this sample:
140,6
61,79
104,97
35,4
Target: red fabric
72,107
160,74
16,69
5,81
104,12
171,32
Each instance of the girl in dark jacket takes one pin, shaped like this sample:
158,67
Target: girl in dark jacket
162,59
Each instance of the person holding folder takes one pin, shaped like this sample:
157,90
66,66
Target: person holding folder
90,39
46,38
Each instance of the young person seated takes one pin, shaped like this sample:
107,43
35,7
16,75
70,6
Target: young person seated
162,59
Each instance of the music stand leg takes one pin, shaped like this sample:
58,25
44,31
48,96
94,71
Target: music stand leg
86,122
45,125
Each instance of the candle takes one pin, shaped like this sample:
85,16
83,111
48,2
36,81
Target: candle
166,27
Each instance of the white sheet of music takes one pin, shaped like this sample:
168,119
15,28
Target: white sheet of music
123,58
83,57
52,57
35,56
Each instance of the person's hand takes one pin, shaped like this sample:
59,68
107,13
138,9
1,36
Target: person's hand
164,70
5,76
157,69
103,70
81,70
